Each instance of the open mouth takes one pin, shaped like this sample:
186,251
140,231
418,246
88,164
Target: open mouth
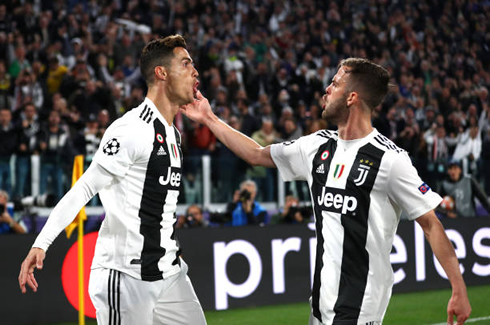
324,101
195,88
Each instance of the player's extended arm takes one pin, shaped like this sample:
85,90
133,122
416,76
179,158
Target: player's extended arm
91,182
459,304
243,146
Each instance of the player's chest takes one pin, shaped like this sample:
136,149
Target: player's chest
162,158
337,168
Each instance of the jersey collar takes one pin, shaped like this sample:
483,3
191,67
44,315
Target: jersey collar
157,113
347,144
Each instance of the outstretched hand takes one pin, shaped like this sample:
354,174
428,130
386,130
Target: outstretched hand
198,110
33,260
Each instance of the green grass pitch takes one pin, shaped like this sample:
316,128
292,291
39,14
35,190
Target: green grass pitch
428,307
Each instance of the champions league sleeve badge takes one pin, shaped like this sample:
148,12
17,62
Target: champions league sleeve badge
111,147
424,188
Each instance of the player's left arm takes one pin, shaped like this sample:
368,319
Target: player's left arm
459,304
91,182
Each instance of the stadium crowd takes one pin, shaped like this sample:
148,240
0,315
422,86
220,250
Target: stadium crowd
69,68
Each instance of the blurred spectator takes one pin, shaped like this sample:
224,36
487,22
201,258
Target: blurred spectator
248,211
7,222
249,123
27,89
193,218
201,141
28,127
463,190
9,139
76,79
259,83
234,63
291,130
292,212
104,120
92,135
5,84
228,168
55,75
485,161
438,153
409,136
264,177
19,62
55,147
428,119
274,56
468,149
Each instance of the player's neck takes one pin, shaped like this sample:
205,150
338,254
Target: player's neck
163,104
357,126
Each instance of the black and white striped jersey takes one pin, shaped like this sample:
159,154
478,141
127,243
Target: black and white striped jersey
137,234
358,190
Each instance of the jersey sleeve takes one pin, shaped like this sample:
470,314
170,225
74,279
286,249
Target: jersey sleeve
406,188
119,148
91,182
289,158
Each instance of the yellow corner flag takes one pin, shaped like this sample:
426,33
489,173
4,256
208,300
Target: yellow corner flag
77,173
80,218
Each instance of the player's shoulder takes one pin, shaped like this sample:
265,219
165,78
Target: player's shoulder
385,144
129,127
318,137
136,120
325,134
313,140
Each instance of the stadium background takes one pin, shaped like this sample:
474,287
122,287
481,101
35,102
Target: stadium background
258,61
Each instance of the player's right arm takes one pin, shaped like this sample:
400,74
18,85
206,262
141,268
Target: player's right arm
242,145
91,182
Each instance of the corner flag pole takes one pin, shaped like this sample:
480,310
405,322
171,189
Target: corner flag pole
81,291
80,218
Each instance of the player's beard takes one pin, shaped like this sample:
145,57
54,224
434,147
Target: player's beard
336,110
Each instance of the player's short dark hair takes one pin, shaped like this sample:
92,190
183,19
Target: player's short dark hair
368,79
159,52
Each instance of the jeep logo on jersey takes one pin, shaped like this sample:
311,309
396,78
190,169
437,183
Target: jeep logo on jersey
172,178
335,200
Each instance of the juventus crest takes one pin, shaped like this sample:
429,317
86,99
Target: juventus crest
364,167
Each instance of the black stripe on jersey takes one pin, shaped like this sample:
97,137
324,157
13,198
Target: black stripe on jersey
160,178
176,261
387,143
178,139
146,114
325,133
355,258
319,180
144,111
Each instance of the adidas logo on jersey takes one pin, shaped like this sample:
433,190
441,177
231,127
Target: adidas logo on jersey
320,169
161,152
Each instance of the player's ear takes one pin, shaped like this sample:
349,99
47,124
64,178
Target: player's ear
352,97
161,72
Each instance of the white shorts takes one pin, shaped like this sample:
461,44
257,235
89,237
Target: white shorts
120,299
